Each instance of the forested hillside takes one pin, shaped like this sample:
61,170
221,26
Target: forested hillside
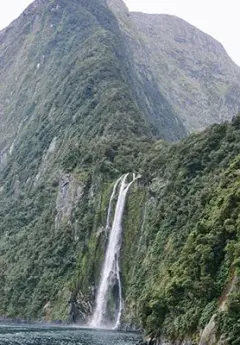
187,263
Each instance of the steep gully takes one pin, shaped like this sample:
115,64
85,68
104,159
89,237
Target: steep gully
110,274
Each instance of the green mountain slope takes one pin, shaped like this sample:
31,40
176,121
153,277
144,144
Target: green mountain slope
50,57
78,109
189,68
69,122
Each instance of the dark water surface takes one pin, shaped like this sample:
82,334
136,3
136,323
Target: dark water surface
38,335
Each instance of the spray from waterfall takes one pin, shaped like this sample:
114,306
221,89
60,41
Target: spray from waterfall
110,274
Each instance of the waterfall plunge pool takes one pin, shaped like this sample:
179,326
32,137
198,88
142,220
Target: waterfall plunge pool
48,335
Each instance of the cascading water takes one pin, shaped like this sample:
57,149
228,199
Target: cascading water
111,270
111,202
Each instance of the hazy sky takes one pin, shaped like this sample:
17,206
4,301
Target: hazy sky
219,18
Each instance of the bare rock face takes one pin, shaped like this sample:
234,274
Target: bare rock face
80,307
69,193
208,335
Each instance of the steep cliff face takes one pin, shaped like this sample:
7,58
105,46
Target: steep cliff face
57,61
80,104
67,116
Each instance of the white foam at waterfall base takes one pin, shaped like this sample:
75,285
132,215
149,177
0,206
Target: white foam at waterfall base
111,269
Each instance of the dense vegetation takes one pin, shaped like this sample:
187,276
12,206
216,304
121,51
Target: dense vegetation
75,115
189,248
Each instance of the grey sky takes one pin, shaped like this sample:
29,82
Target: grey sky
219,18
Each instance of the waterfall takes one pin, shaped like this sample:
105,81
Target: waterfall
111,269
111,202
